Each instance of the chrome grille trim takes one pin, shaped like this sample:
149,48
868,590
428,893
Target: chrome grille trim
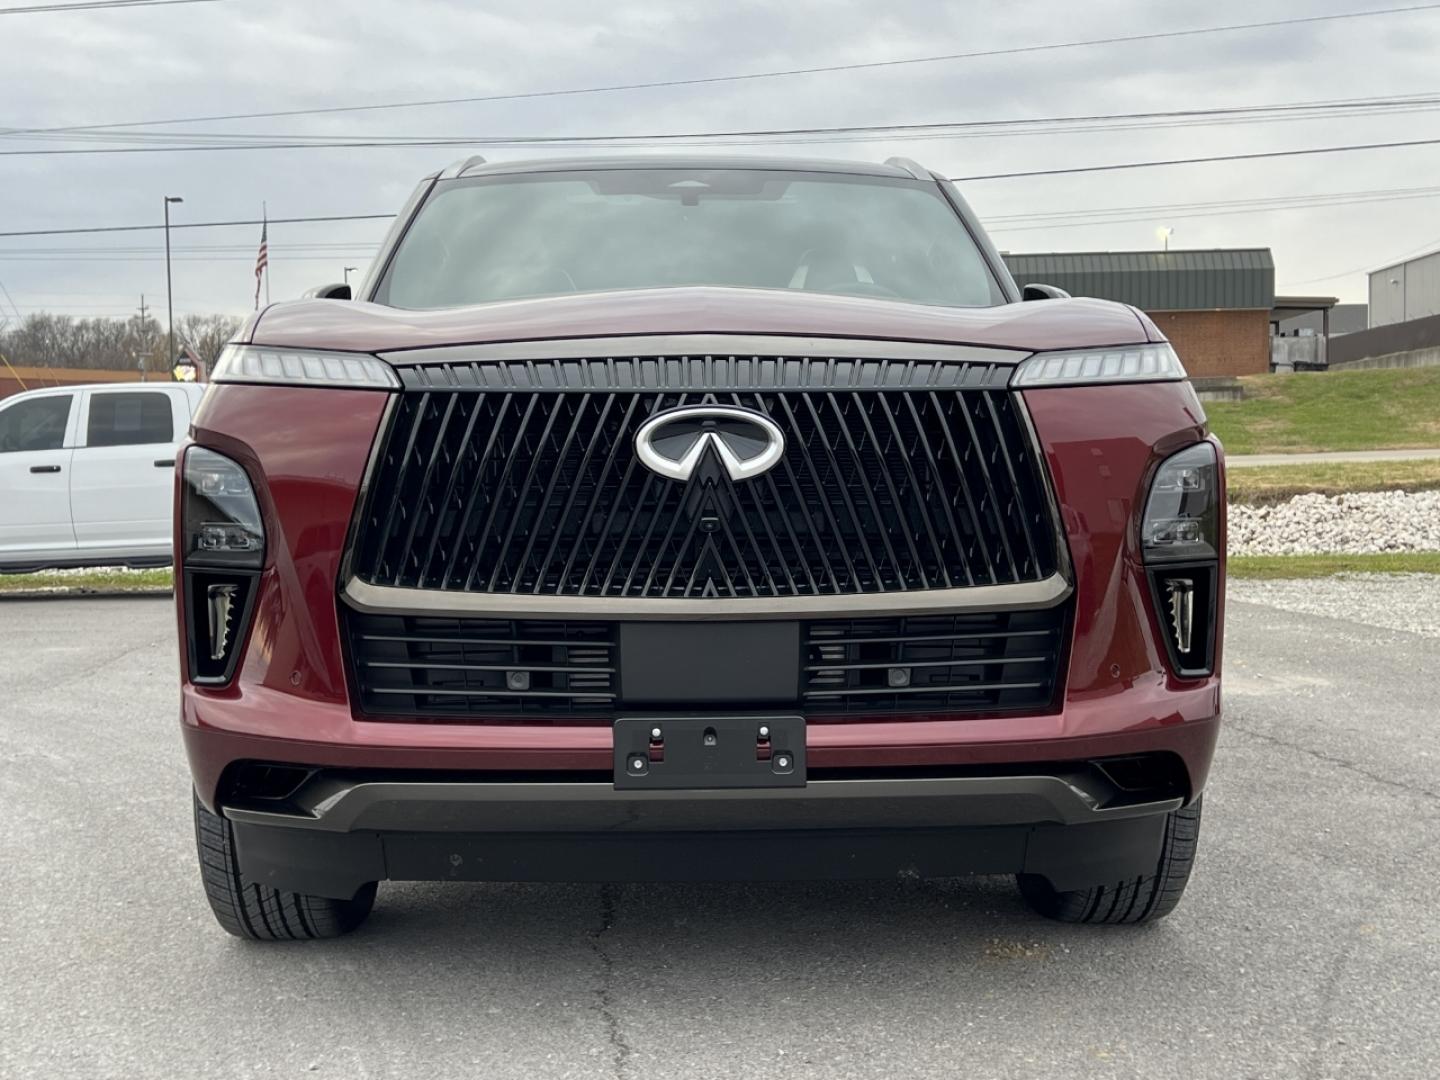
388,599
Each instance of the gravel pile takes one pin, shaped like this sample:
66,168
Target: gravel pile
81,571
1350,524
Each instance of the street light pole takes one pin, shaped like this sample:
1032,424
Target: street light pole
348,269
169,298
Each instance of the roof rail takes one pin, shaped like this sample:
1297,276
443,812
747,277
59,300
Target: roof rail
914,168
460,168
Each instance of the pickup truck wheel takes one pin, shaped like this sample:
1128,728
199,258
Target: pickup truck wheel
1135,900
258,912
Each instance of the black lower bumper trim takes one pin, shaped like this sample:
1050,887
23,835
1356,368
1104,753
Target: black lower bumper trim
331,864
338,832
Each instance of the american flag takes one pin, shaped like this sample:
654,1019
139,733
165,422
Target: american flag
262,259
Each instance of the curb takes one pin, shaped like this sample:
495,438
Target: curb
79,592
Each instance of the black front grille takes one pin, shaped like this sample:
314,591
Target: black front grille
973,662
445,667
463,668
896,476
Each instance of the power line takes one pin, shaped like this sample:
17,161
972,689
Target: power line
11,299
995,223
1196,160
1271,113
749,76
979,176
198,225
161,258
95,5
1372,265
1178,212
1075,216
1321,107
956,179
337,250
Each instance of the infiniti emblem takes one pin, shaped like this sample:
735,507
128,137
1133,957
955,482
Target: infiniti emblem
674,442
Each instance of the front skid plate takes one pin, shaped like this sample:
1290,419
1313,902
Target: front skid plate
336,864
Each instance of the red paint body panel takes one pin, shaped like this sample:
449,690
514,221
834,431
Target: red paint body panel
365,327
306,450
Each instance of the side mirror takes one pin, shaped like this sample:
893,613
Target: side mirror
329,292
1043,292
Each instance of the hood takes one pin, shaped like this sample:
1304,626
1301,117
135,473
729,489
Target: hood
364,327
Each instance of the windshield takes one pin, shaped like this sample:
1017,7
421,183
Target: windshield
548,234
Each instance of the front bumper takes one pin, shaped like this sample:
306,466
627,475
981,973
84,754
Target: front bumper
1072,825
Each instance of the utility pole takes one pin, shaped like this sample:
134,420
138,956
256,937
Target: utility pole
169,296
140,356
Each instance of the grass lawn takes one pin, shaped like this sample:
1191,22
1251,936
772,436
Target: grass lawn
1275,483
1333,410
1308,566
87,581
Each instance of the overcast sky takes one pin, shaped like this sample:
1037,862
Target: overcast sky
77,68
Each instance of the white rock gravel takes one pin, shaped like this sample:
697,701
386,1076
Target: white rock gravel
80,571
1350,524
1408,602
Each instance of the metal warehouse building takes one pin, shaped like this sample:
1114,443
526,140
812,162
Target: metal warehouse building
1406,291
1214,306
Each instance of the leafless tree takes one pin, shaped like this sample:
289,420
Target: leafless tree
44,339
206,334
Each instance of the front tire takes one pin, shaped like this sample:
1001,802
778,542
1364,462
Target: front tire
258,912
1134,900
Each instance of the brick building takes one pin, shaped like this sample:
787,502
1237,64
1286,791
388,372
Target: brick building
18,377
1214,306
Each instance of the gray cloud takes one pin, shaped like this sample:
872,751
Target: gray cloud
278,54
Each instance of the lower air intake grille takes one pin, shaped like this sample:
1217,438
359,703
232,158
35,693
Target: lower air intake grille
433,668
966,663
444,667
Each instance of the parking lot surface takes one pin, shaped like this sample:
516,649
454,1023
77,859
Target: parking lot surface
1308,945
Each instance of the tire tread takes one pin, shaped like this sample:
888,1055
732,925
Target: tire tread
258,912
1134,900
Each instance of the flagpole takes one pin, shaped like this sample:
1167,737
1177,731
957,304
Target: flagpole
265,213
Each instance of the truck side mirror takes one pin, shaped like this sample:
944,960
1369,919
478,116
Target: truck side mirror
339,291
1043,292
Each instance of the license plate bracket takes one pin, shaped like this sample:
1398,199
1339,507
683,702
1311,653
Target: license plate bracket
695,752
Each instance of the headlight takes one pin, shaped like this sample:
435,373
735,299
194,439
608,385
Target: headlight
222,526
1182,513
299,367
222,551
1137,363
1179,536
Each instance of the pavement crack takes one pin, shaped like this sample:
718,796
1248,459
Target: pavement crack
604,993
1338,762
87,672
1325,1012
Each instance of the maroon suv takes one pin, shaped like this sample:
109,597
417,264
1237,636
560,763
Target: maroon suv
656,518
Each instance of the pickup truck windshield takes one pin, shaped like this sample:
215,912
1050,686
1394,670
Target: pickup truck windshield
547,234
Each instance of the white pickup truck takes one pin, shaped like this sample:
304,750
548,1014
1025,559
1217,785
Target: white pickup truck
87,474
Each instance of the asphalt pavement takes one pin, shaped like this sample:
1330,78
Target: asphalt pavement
1308,945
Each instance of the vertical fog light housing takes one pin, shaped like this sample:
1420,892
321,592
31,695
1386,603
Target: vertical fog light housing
222,550
220,606
1180,599
1179,537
